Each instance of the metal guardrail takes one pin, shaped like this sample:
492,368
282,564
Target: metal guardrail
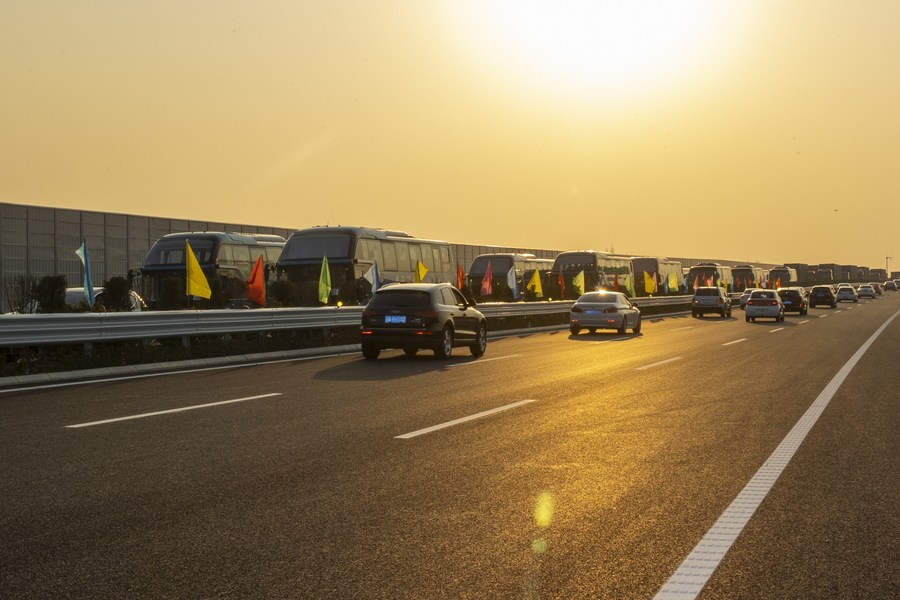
18,331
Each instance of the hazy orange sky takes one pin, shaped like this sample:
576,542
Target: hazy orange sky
750,130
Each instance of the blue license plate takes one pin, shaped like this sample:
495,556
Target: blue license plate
395,319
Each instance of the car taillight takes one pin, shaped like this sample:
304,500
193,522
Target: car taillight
774,303
577,309
423,317
611,309
720,301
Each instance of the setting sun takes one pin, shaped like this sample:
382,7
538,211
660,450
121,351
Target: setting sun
598,49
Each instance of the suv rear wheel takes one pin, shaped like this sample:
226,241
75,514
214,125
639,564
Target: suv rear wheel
480,344
445,348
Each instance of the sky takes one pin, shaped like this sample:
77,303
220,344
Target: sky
758,130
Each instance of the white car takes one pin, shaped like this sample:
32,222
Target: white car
846,292
866,291
764,303
604,310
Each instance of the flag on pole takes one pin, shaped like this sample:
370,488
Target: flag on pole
460,278
512,283
673,282
562,285
324,281
256,284
197,285
373,277
487,282
649,282
421,269
578,283
88,284
534,284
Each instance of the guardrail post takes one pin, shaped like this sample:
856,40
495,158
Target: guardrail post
186,341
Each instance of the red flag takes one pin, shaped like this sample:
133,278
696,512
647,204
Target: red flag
256,285
696,281
486,283
616,281
460,277
562,285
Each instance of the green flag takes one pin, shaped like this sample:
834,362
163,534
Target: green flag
324,282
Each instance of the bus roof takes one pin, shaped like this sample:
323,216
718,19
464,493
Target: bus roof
249,239
371,232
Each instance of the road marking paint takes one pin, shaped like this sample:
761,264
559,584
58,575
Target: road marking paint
802,322
735,342
822,316
692,575
172,410
483,360
682,328
774,330
175,371
480,415
656,364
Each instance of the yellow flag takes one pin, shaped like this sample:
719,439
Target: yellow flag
649,283
324,281
421,269
534,284
578,282
197,285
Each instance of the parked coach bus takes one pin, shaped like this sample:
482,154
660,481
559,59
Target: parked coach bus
601,271
510,274
664,275
782,277
225,258
747,276
709,275
351,252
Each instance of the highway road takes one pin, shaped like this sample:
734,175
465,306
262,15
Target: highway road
553,467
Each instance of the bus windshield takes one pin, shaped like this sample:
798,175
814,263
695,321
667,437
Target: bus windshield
576,260
499,265
314,245
171,252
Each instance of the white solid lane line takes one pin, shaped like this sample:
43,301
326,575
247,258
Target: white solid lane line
657,364
172,410
774,330
486,413
735,342
691,576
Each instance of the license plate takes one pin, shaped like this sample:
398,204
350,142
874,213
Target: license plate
786,302
592,312
395,319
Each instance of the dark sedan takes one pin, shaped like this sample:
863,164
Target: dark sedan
421,316
794,299
822,295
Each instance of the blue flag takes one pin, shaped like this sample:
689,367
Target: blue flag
88,284
372,276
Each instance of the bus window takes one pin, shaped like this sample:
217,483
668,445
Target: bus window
415,255
402,256
390,256
444,253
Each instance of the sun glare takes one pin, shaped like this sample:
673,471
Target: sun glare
597,49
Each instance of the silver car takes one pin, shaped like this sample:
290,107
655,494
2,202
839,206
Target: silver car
846,292
866,291
764,303
604,310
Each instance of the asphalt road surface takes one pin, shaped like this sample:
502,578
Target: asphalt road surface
553,467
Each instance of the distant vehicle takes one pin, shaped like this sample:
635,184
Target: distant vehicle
764,303
664,275
510,274
710,300
878,288
709,275
782,277
794,299
822,294
600,271
824,275
747,277
890,285
746,296
846,292
417,316
604,310
866,291
226,260
351,252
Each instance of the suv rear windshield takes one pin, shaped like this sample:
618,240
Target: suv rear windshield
706,292
400,299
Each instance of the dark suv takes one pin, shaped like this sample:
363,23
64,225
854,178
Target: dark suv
417,316
794,299
822,294
710,300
